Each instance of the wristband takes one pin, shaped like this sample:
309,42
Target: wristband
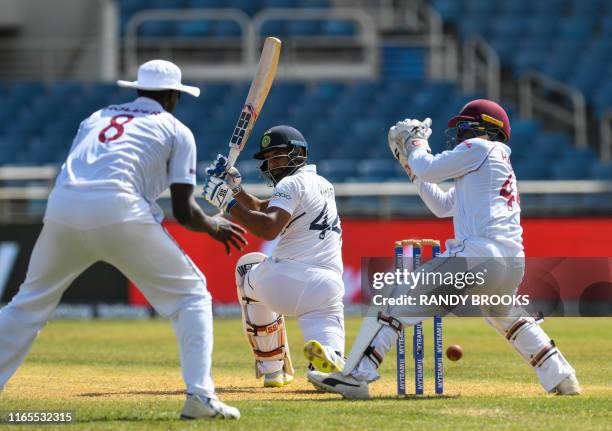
230,205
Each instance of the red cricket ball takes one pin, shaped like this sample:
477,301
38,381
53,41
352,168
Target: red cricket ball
454,352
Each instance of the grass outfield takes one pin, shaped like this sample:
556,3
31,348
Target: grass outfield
125,375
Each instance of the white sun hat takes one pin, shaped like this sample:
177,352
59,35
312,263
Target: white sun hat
156,75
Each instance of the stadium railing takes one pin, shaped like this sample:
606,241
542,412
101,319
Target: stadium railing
481,68
365,40
24,190
605,130
535,91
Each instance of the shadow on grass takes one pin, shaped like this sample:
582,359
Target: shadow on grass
108,394
272,395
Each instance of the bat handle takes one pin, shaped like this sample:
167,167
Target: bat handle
232,157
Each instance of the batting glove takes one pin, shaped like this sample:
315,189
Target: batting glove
232,176
217,192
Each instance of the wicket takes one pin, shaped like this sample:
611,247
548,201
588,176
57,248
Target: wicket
418,340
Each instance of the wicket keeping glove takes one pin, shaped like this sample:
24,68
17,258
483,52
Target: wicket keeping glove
407,136
232,176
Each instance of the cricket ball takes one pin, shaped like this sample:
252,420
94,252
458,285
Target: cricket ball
454,352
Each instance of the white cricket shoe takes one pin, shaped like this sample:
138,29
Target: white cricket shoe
347,386
200,407
278,379
321,358
568,386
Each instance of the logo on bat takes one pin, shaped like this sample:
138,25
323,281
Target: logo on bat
248,113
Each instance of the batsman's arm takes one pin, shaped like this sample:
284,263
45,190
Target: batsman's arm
251,202
266,224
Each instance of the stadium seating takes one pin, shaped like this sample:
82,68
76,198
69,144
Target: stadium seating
344,122
188,29
569,40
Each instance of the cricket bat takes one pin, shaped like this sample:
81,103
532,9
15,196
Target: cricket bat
260,86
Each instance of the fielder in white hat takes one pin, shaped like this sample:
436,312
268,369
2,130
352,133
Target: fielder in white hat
156,75
103,208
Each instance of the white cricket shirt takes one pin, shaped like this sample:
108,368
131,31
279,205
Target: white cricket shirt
313,234
122,158
484,202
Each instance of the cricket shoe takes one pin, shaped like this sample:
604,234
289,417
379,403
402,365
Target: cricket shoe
568,386
277,379
347,386
321,358
201,407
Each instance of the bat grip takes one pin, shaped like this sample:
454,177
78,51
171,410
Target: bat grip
232,157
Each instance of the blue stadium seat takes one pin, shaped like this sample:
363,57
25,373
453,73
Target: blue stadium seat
314,3
606,29
249,169
380,169
200,4
574,29
286,91
522,136
156,29
504,47
587,10
518,8
129,7
481,8
603,100
449,9
328,91
304,27
227,28
336,170
339,28
551,145
541,26
249,7
601,171
279,3
215,91
531,169
587,76
166,4
526,60
474,25
26,89
508,27
273,28
194,28
573,154
570,170
558,65
552,9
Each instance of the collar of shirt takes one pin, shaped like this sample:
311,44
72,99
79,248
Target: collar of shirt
149,102
307,168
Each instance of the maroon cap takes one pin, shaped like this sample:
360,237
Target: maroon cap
484,111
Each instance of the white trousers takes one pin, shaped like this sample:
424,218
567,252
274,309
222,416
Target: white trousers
312,294
504,280
146,254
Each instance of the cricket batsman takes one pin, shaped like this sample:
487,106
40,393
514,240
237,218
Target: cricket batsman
485,207
103,208
303,275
